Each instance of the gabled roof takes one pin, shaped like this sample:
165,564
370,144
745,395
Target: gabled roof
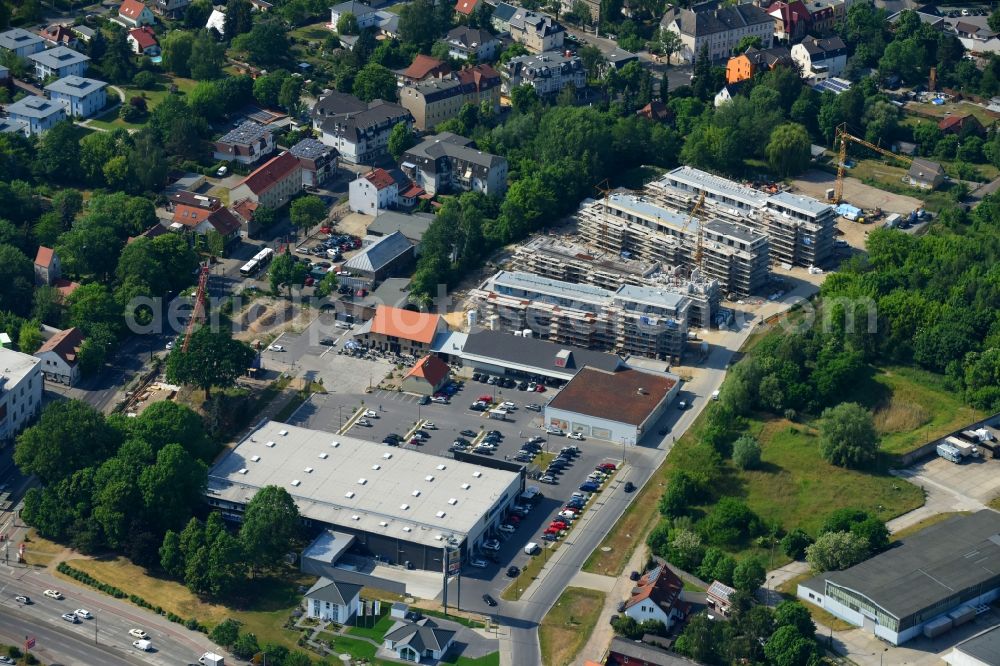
922,168
423,66
58,34
144,36
709,18
431,368
379,254
65,287
958,122
405,324
44,257
65,344
469,37
334,591
660,585
271,173
826,47
720,590
790,13
380,178
466,7
131,9
655,110
481,76
422,635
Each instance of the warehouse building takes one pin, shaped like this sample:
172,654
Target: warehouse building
733,254
983,649
617,407
400,505
632,320
931,582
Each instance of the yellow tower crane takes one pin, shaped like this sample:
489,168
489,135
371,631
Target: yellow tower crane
845,137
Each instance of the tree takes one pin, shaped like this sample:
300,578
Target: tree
206,100
17,279
401,139
29,338
794,543
266,44
788,151
787,647
58,154
91,305
95,349
791,613
171,486
375,82
418,24
700,639
730,522
246,646
197,13
347,24
176,48
288,96
750,41
239,18
207,57
746,452
148,161
116,63
267,88
270,526
834,551
167,422
69,436
717,565
48,307
686,550
285,271
682,491
172,560
874,532
306,212
749,575
524,98
213,358
848,437
225,633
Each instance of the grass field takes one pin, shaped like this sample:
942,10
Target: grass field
40,552
273,600
311,32
491,659
358,649
959,108
375,632
153,98
567,625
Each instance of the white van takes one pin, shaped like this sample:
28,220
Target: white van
531,548
344,324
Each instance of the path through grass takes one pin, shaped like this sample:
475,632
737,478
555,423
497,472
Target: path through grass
567,626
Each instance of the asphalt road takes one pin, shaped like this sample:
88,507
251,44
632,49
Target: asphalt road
57,646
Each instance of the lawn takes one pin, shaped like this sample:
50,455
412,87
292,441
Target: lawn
960,109
375,632
273,599
491,659
360,650
39,552
312,32
912,407
567,626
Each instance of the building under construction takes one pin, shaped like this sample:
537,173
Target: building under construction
646,321
800,229
733,254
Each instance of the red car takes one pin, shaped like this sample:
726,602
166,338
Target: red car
309,281
558,524
486,398
539,388
571,509
551,530
513,519
608,466
324,230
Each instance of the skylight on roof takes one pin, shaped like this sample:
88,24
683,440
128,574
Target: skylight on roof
334,444
308,470
376,466
255,458
429,477
439,514
349,494
416,493
383,523
404,506
386,455
270,444
243,470
442,467
282,432
452,501
355,517
477,474
296,482
407,529
466,486
324,456
362,481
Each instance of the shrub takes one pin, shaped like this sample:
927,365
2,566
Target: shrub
794,543
746,452
144,80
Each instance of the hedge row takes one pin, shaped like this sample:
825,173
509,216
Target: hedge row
87,579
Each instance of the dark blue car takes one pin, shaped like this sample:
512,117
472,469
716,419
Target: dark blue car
589,487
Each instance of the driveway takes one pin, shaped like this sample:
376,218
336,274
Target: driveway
949,487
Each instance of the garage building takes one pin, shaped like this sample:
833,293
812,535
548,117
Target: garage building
931,581
616,406
400,505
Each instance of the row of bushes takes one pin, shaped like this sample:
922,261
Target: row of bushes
83,577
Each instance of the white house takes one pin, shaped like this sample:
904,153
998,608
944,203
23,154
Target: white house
375,191
657,596
719,28
333,601
547,73
37,113
21,42
81,97
365,15
418,641
820,59
60,356
20,391
134,13
142,41
217,20
448,162
358,130
465,43
59,62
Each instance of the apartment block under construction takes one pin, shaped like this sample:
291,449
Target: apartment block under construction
800,229
639,227
558,258
630,320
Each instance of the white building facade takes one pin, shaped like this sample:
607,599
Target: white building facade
82,98
20,391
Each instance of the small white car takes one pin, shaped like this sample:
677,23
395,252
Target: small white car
84,614
508,405
138,633
370,413
53,594
70,617
170,345
578,436
277,348
554,431
507,529
364,422
440,400
430,426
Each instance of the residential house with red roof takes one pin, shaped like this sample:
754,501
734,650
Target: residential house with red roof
435,100
59,35
656,111
375,191
466,7
401,331
427,377
205,215
423,67
961,125
791,19
272,184
657,596
60,356
48,268
133,14
142,41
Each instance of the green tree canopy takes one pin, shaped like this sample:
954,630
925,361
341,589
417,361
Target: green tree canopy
270,526
213,358
848,437
69,436
375,82
788,151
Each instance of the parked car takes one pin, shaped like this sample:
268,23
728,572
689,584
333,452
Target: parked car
70,617
328,342
490,601
492,544
443,400
590,487
513,572
547,478
424,400
507,529
532,407
633,576
552,430
468,433
428,425
578,436
364,422
621,606
479,564
277,348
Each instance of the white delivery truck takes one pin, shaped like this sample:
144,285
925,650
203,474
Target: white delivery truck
211,659
949,452
145,646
